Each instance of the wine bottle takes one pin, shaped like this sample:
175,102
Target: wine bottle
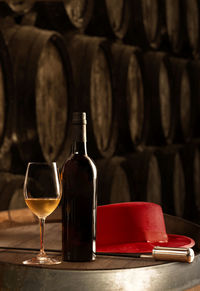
79,176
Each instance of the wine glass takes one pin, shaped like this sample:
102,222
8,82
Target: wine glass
42,194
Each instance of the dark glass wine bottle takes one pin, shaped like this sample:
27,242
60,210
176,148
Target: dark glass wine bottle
79,176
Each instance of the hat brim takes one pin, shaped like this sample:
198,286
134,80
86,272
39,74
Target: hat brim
175,241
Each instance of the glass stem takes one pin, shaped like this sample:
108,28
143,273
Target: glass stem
42,223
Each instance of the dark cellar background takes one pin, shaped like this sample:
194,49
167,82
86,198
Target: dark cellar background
133,66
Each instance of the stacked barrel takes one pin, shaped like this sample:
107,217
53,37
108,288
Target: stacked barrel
133,66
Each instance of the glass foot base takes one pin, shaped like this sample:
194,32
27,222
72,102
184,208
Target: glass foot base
42,261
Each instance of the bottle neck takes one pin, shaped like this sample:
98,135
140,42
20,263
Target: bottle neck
79,139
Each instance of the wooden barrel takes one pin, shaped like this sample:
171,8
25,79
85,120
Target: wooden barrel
192,19
63,15
191,166
43,95
6,105
144,176
113,186
16,217
146,27
91,64
5,10
11,191
182,100
173,180
20,7
119,16
194,75
197,184
110,18
175,24
97,275
129,95
158,91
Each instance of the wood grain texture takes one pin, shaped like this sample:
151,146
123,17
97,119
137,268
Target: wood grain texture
129,95
91,67
101,100
51,101
113,184
194,73
7,94
119,14
172,180
42,82
110,18
107,272
2,103
79,12
190,159
28,237
21,7
17,217
64,15
197,288
144,176
146,28
192,18
174,24
182,100
11,191
157,84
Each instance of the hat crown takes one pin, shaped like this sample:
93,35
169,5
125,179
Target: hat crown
130,222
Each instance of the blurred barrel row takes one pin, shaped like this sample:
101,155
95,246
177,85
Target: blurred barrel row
133,99
171,25
168,176
133,67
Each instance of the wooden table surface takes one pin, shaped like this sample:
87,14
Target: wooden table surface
105,273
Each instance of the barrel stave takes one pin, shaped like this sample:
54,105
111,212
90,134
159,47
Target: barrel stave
92,73
128,91
30,65
113,185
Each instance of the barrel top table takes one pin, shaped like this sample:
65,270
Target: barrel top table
20,240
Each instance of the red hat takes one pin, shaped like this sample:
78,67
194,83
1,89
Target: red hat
134,227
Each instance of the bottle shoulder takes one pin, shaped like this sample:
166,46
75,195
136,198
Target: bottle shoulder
79,160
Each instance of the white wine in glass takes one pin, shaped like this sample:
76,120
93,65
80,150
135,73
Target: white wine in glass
42,194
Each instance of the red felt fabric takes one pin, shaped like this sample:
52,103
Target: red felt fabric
134,227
